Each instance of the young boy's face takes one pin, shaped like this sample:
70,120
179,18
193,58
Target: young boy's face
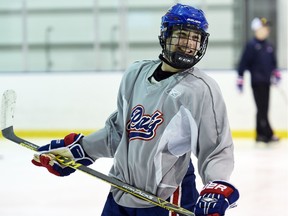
185,41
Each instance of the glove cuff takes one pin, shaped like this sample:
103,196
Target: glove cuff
224,188
72,138
80,155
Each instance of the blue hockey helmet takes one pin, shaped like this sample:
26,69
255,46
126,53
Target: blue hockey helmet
184,18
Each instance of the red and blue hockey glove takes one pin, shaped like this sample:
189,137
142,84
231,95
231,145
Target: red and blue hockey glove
276,77
68,147
215,198
239,83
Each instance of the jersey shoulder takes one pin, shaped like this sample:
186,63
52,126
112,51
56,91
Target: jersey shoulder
201,79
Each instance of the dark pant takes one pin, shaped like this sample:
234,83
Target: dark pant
189,195
261,97
111,208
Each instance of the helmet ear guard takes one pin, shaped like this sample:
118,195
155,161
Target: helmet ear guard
186,19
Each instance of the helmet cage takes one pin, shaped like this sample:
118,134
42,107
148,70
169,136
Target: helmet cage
176,49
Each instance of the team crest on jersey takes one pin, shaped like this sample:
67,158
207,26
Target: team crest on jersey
143,126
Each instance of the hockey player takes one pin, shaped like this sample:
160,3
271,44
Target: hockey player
259,58
166,110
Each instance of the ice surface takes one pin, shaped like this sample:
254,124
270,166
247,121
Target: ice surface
261,174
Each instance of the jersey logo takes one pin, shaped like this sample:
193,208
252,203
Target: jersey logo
142,126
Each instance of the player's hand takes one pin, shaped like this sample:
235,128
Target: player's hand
68,147
215,198
276,77
239,83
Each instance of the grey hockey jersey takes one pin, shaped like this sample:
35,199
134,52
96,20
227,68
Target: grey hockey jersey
156,128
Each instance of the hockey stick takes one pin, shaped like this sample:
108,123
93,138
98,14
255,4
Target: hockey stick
7,116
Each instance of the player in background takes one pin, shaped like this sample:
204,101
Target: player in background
259,58
167,109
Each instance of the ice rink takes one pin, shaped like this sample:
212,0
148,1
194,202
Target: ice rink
261,174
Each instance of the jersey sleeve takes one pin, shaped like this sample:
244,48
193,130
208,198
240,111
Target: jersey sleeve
215,146
104,142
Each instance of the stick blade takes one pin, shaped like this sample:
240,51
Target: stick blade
8,108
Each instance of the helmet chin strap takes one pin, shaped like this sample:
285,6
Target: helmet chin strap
179,61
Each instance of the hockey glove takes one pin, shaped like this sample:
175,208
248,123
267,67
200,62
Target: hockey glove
68,147
215,198
239,83
276,77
